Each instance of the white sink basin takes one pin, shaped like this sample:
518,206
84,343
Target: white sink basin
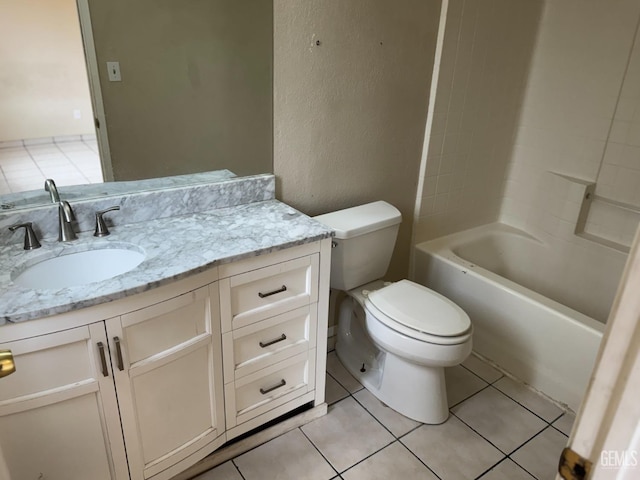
78,268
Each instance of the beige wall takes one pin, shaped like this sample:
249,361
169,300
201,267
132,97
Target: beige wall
486,51
351,85
43,78
196,85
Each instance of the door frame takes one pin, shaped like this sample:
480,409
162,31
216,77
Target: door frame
606,431
93,74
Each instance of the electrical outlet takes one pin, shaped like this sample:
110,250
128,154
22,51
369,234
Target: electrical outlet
114,71
77,114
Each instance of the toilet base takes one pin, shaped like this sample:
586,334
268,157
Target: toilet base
415,391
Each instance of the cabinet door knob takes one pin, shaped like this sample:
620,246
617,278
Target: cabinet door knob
283,288
7,364
103,359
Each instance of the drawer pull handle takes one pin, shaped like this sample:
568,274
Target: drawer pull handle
264,391
116,340
103,359
268,294
7,363
279,339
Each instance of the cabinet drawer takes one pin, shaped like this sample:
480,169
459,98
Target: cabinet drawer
269,341
265,292
270,387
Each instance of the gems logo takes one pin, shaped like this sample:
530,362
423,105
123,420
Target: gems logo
619,458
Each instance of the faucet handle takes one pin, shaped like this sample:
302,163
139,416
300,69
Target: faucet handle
101,227
30,239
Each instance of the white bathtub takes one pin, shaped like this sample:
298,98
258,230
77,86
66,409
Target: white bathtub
532,304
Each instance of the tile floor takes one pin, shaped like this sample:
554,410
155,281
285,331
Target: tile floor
24,165
498,430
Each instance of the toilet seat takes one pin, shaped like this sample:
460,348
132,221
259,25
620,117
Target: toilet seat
420,313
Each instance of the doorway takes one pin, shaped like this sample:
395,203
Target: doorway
46,116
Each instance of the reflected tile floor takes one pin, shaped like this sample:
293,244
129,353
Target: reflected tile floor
497,430
71,160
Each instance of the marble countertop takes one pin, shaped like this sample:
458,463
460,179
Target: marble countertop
175,248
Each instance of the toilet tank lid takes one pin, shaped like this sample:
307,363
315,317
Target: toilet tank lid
355,221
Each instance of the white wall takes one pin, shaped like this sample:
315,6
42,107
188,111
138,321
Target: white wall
576,77
619,175
481,75
43,78
534,147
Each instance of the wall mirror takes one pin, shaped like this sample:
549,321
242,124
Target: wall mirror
194,92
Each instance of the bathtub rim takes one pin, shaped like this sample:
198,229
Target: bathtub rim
443,247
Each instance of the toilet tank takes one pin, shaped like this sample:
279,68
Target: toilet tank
364,241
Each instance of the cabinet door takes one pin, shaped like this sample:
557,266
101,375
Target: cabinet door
168,371
58,413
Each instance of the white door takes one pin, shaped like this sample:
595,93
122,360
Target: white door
57,410
605,440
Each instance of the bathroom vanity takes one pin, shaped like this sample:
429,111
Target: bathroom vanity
221,329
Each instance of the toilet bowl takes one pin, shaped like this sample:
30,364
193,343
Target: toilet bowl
395,338
402,366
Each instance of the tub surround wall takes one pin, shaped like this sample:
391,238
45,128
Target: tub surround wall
141,207
486,49
615,211
579,119
351,86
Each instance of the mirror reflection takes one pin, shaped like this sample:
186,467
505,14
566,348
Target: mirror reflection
194,92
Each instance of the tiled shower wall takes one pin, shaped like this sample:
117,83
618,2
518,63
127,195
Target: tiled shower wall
576,76
619,176
480,76
526,88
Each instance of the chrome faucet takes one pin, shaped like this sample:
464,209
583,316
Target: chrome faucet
50,186
66,217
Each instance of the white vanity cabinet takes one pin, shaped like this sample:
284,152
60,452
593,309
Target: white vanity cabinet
269,312
144,387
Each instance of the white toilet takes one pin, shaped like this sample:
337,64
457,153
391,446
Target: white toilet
395,338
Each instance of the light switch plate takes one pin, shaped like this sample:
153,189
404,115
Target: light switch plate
114,71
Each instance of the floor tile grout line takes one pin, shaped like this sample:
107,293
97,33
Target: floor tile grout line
416,456
80,170
367,457
525,407
558,430
237,468
502,375
470,396
508,455
378,420
483,437
318,450
521,446
479,477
